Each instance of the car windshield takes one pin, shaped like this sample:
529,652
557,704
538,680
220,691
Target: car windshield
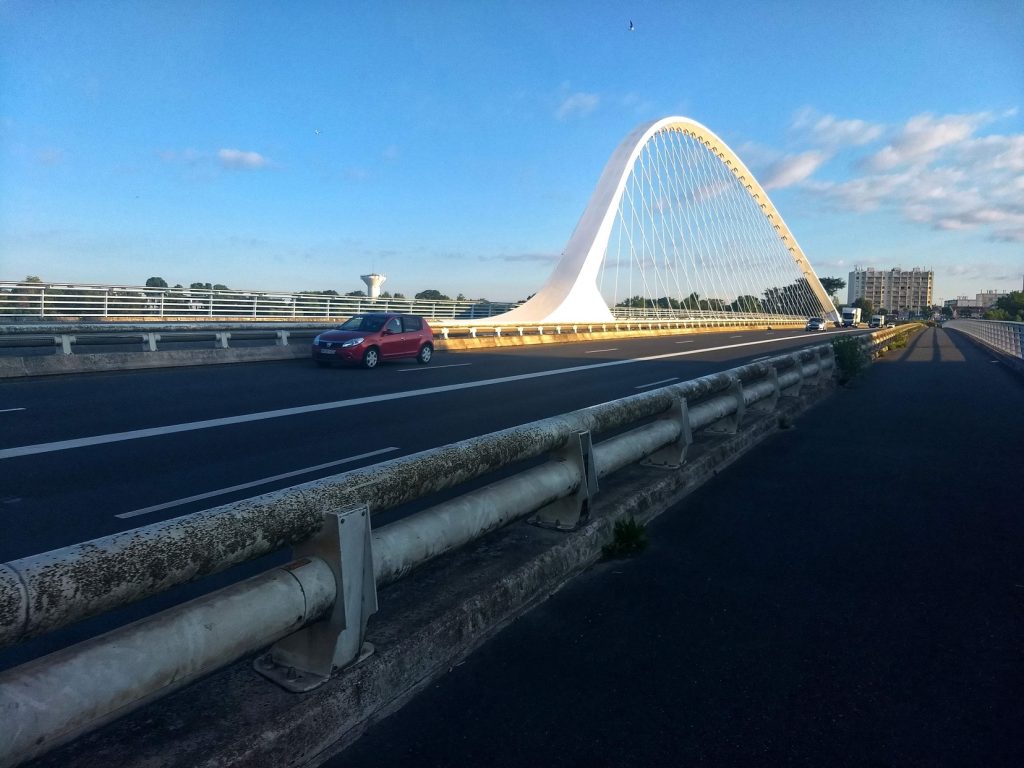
815,320
368,323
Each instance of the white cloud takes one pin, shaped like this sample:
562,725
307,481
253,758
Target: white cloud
827,131
51,156
935,172
577,104
923,137
237,159
792,169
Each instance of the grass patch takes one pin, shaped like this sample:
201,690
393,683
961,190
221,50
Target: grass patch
628,538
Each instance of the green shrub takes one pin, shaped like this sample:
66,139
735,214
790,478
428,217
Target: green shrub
629,538
850,357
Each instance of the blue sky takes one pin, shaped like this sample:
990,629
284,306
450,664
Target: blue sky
459,142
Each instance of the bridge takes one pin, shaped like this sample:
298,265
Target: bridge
629,429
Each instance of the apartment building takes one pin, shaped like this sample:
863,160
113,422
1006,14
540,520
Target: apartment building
903,291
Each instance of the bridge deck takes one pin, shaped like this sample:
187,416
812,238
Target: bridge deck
851,595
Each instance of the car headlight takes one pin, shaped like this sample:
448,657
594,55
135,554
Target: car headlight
316,341
353,342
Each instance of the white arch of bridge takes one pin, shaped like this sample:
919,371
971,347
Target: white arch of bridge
571,293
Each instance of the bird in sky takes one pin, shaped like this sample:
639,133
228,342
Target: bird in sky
631,27
316,131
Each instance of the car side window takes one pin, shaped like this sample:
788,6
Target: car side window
412,323
394,325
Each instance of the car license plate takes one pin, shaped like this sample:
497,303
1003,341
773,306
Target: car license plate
326,351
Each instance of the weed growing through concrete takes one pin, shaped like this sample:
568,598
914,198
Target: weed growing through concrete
629,538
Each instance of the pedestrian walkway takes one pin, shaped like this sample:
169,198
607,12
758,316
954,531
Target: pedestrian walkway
851,593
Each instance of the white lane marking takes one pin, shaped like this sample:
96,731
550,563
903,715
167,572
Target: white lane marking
594,351
226,421
759,359
10,410
688,341
253,484
433,367
736,337
656,383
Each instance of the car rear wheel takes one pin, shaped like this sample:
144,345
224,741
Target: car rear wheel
371,357
425,355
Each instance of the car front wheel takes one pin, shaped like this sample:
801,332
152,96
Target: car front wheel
425,355
371,357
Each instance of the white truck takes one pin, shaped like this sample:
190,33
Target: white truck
851,316
877,321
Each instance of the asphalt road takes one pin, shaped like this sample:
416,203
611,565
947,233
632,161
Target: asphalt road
851,594
88,455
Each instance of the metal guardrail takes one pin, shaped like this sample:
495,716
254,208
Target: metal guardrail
1007,337
53,699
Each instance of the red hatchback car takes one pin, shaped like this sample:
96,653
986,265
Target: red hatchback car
367,339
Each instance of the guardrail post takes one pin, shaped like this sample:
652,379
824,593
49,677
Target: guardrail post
768,404
149,341
570,512
730,424
221,339
65,340
282,338
472,332
497,331
673,455
794,389
305,659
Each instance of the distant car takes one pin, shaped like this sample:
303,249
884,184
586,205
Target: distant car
369,338
890,325
816,324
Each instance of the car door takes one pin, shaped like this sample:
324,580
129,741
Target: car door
391,339
412,327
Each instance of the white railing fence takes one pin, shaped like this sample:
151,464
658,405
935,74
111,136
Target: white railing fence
1007,337
20,301
73,301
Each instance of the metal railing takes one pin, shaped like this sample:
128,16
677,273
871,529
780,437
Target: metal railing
315,610
26,301
1007,337
19,300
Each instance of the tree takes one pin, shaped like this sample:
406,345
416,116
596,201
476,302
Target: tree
32,279
356,293
866,307
747,304
432,294
460,297
156,282
398,296
831,285
1009,307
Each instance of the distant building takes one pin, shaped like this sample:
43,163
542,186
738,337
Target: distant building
964,307
900,291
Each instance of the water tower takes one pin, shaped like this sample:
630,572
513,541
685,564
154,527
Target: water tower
373,284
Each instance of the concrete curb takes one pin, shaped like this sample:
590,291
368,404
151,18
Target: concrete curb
428,622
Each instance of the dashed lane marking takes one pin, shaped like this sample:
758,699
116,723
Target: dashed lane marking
253,484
